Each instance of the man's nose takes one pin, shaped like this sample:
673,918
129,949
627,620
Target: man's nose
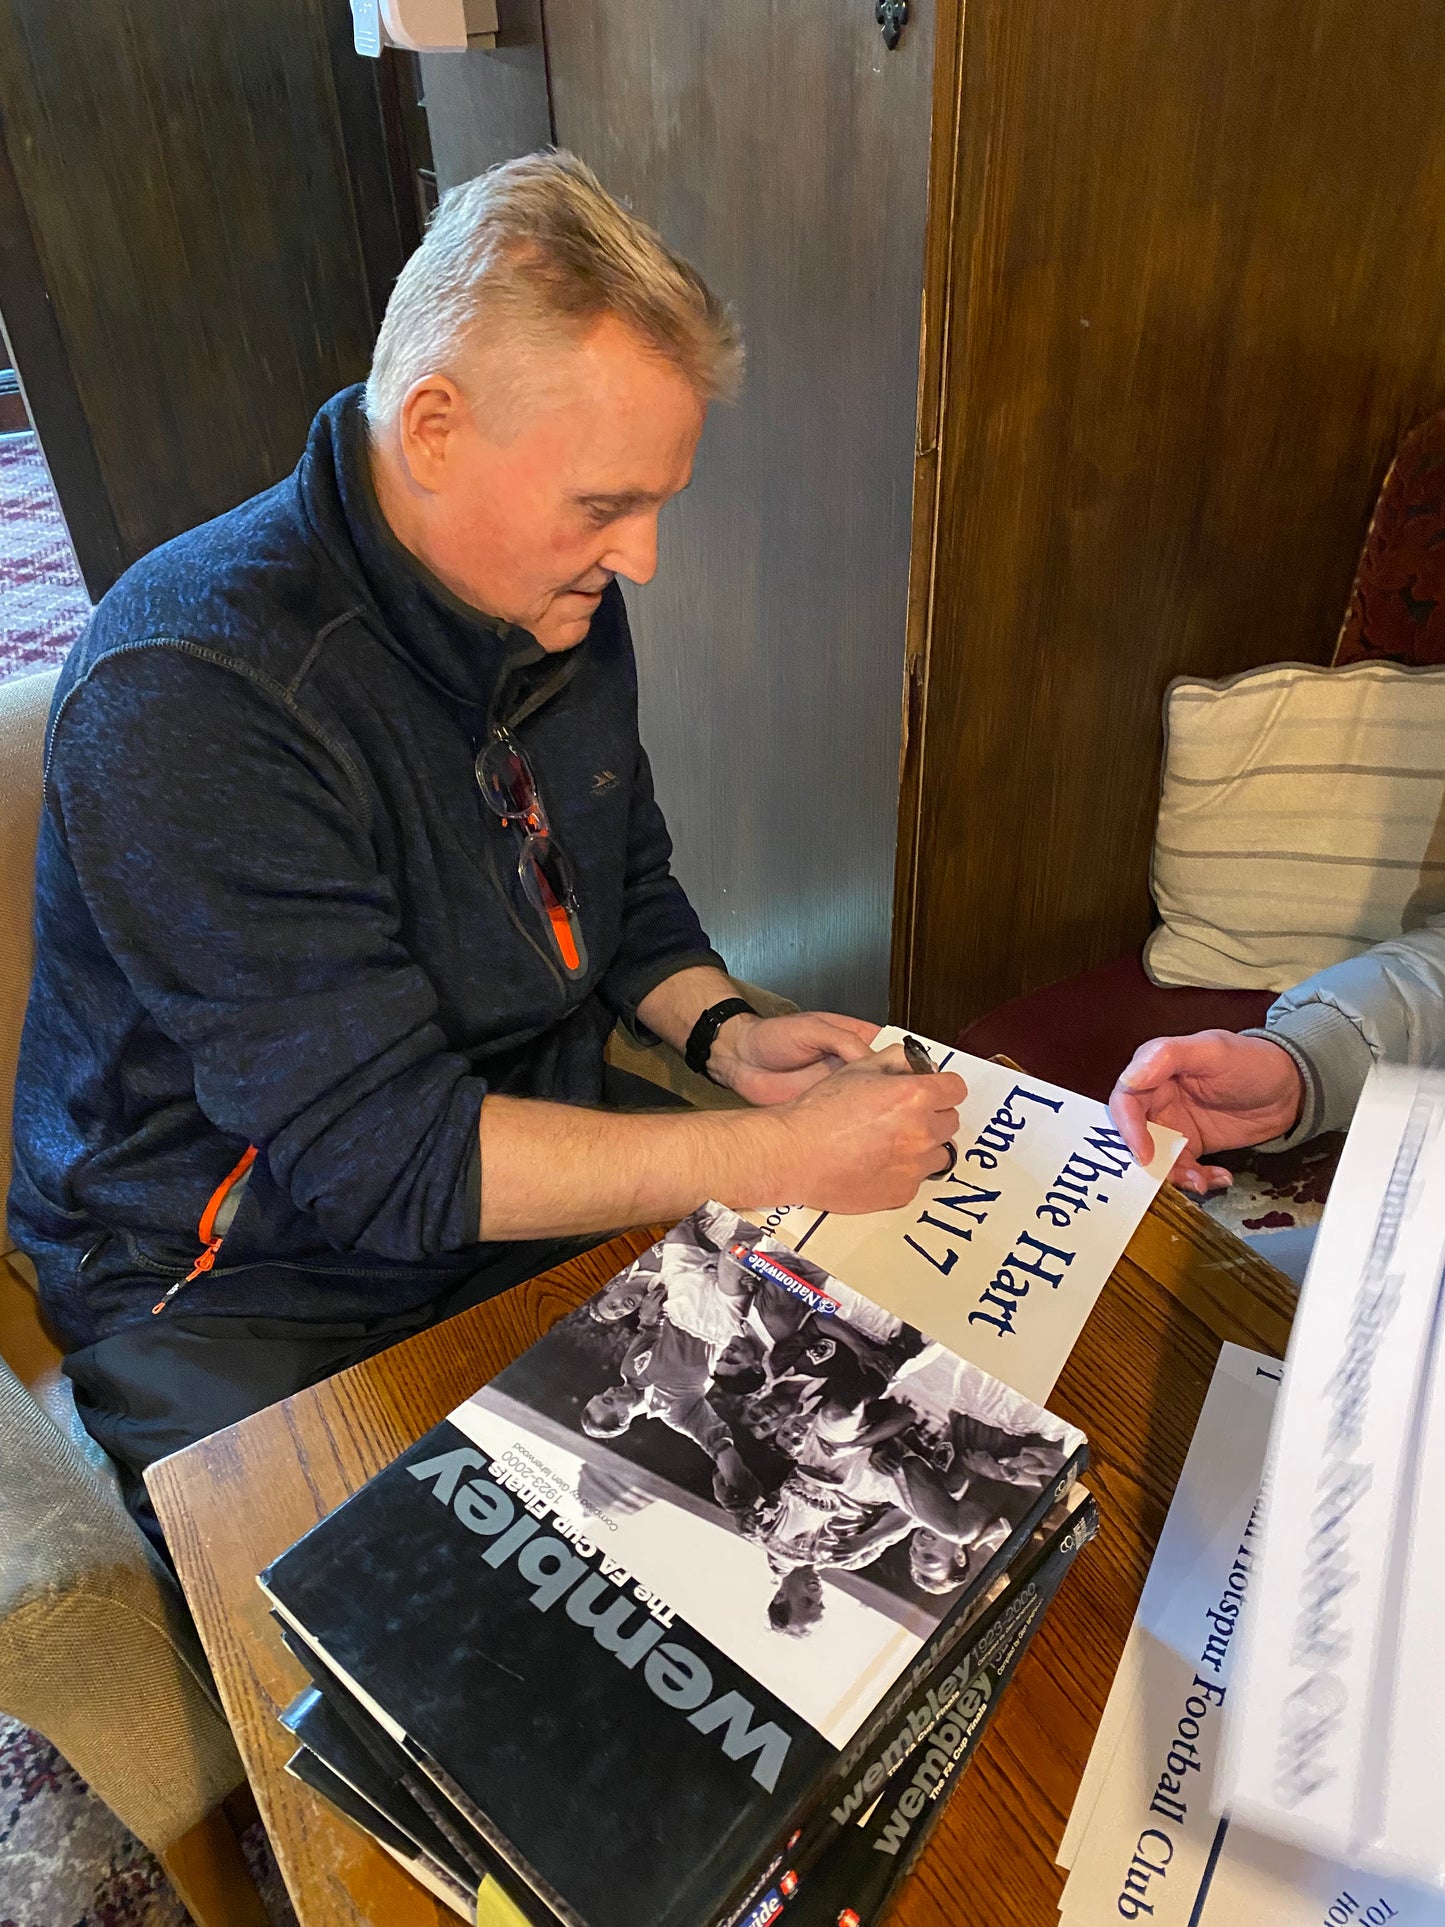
634,548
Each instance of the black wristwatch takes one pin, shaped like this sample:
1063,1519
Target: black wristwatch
703,1034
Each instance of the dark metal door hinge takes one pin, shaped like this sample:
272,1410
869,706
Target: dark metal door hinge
892,18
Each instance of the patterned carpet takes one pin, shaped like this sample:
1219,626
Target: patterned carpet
43,604
66,1861
1277,1191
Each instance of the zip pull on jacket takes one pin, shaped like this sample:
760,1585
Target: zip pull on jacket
216,1221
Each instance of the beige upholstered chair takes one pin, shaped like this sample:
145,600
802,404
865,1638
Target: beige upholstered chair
96,1650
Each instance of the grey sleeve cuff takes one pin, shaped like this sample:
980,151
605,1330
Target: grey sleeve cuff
472,1184
625,989
1334,1060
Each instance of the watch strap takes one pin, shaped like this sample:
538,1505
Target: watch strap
703,1034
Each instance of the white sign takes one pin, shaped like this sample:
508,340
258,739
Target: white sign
1145,1841
1343,1648
1003,1259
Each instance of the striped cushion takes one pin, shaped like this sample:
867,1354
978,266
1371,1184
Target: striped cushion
1301,819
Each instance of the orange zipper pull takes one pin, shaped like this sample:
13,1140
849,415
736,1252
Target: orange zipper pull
203,1263
211,1239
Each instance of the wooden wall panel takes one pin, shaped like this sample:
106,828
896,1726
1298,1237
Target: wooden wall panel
785,151
184,173
485,107
1197,294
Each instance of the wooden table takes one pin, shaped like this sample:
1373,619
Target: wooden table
1135,1384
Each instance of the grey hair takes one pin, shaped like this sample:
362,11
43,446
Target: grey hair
532,250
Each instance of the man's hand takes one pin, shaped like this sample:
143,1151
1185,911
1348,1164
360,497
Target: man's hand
767,1060
865,1138
862,1139
733,1485
1220,1090
771,1060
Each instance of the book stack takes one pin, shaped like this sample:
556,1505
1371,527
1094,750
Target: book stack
692,1615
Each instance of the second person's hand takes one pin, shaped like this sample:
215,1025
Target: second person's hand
1221,1090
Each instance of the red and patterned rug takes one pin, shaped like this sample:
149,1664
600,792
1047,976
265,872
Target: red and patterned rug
43,604
66,1861
1277,1191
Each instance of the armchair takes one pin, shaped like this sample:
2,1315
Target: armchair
96,1649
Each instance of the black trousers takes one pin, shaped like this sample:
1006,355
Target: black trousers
161,1384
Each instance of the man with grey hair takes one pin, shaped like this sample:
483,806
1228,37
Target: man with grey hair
350,861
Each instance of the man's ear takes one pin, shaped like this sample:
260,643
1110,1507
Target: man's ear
433,412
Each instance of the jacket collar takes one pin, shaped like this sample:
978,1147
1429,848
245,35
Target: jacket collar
475,659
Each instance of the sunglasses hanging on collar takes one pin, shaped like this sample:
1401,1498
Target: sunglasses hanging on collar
509,787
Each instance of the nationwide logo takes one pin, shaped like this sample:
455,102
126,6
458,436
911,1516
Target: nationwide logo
766,1911
761,1266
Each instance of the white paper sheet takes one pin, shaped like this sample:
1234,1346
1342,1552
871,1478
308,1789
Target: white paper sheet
1138,1851
1168,1698
1003,1259
1309,1738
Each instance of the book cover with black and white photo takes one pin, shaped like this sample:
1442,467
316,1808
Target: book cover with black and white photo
630,1602
912,1731
856,1876
351,1763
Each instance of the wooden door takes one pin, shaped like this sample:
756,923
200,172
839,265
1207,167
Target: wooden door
784,150
199,230
1195,296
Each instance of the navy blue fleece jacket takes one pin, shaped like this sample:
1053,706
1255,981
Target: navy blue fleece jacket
274,909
